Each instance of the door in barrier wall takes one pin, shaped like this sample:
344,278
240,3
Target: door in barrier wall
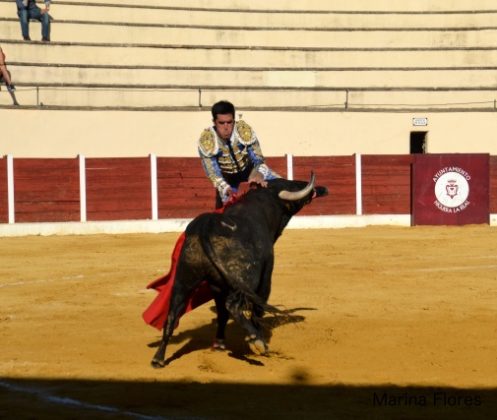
450,189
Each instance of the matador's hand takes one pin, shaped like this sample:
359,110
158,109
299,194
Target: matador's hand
257,178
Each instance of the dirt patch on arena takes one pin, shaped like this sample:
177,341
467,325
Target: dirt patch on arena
382,322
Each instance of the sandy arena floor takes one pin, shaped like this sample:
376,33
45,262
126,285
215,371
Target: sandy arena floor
384,323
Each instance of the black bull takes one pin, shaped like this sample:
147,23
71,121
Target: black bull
233,252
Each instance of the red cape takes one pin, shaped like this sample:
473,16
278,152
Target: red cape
156,314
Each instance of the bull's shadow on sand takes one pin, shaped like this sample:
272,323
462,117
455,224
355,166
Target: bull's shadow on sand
201,338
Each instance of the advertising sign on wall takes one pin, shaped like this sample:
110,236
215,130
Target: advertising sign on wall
450,189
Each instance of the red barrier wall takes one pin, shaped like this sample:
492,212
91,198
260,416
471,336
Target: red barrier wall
183,189
386,184
4,211
493,183
337,173
118,188
46,190
277,164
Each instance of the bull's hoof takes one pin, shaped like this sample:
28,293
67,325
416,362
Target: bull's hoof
218,344
157,364
257,345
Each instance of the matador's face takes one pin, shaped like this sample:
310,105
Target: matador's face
223,123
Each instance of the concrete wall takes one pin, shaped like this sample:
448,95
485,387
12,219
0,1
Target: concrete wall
38,133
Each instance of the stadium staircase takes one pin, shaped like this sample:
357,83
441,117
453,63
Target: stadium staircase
313,55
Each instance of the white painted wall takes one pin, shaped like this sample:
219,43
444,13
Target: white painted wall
36,133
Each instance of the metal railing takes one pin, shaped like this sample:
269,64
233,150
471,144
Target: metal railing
40,96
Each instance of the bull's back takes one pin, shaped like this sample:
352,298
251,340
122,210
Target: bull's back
193,255
237,248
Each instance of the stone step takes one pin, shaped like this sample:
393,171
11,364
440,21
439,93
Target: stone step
108,54
169,77
316,5
265,19
360,39
173,98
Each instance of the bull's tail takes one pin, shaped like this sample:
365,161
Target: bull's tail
249,304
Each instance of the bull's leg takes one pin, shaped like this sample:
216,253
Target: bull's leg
222,319
264,288
254,338
177,305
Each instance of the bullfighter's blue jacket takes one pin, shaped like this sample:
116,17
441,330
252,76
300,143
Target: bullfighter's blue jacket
227,164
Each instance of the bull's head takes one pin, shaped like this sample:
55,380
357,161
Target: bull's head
292,196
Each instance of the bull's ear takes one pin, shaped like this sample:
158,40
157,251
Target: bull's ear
321,191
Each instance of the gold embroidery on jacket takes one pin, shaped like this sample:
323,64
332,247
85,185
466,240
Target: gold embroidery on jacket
208,142
245,132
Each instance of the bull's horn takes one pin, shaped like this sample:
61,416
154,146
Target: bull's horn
298,195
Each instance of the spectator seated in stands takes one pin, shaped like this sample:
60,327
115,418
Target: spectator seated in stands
26,10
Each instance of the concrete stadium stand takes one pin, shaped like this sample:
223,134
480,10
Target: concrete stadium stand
368,55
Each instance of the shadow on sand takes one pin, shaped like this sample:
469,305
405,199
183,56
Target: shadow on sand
34,398
81,399
201,338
